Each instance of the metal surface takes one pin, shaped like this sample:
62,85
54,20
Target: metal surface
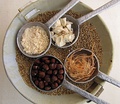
84,93
97,11
108,79
19,38
98,92
92,14
71,4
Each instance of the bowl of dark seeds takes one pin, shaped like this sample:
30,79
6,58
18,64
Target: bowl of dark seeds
47,73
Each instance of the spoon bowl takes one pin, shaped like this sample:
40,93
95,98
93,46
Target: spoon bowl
79,52
19,38
76,31
96,72
50,73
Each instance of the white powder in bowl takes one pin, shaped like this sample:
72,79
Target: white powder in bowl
34,40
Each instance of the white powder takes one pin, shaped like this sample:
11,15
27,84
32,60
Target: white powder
34,40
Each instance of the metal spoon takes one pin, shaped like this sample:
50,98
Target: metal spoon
97,11
79,21
46,26
82,92
97,72
67,84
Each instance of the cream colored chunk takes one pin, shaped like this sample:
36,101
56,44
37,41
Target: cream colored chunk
57,30
63,33
57,24
60,41
63,22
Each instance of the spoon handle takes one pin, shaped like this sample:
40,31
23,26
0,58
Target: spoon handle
84,93
61,13
97,11
108,79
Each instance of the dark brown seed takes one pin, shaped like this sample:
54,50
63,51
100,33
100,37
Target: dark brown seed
55,65
46,67
39,79
41,74
42,63
47,61
55,72
52,66
52,60
34,78
47,88
59,66
46,83
36,82
54,85
35,67
57,62
61,71
41,84
49,72
59,81
47,78
34,72
45,58
54,78
60,77
37,61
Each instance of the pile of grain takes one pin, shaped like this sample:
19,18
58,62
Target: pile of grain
88,37
34,40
